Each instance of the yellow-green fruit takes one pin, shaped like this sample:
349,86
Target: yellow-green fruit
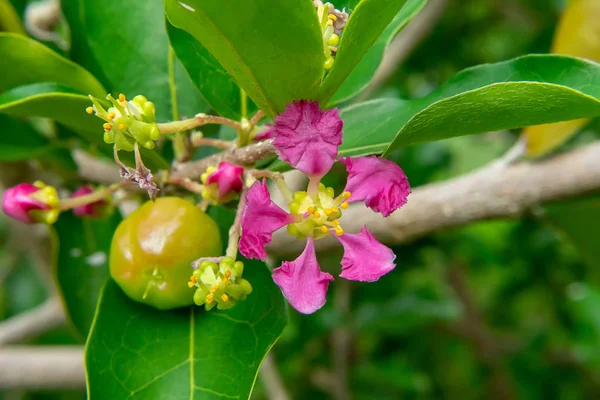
152,249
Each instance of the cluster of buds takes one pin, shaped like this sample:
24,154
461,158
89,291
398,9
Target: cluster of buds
128,122
219,284
222,184
332,22
39,203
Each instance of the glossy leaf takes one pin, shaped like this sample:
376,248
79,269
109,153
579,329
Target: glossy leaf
214,83
26,61
81,265
126,44
135,351
364,70
273,50
67,107
366,23
577,34
19,140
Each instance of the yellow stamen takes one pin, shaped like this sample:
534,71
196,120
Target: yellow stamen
312,209
121,127
344,205
193,281
107,126
224,297
333,17
228,274
110,116
225,280
214,288
336,222
339,231
316,214
324,229
122,97
346,195
329,211
210,298
89,110
191,284
329,22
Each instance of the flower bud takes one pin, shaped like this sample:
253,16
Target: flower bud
128,122
224,183
31,203
97,209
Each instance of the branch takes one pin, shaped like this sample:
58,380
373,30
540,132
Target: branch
32,323
42,367
269,374
495,191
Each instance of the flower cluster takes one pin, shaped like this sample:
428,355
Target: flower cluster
128,122
308,139
332,22
219,284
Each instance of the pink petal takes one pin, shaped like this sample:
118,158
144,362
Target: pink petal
260,218
228,178
365,259
307,137
17,202
302,282
268,133
380,183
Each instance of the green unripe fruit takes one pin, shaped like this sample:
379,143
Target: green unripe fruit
152,249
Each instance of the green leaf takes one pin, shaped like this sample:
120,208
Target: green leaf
9,18
363,72
530,90
212,80
81,267
64,105
126,44
26,61
135,351
366,23
272,49
20,141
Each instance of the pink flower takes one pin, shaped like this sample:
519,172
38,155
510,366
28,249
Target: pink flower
302,282
95,209
380,183
365,259
31,203
268,133
228,178
260,218
307,137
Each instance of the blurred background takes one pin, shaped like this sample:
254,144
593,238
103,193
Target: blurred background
498,309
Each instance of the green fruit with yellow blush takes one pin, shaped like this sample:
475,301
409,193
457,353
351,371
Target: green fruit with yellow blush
152,250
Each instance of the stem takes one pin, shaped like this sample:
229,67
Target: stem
198,140
244,101
235,230
198,120
256,118
277,177
172,86
67,204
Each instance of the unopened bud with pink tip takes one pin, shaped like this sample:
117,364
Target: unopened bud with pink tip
32,203
224,183
96,209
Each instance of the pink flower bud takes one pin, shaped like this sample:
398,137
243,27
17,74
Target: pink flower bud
224,183
31,203
95,209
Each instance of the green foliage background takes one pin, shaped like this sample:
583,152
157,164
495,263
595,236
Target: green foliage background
498,309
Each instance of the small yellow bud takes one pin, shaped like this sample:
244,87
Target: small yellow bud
89,110
210,298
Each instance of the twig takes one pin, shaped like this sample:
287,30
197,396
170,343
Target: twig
236,228
32,323
271,379
489,193
41,367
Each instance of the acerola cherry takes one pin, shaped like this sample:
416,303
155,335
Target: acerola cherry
152,249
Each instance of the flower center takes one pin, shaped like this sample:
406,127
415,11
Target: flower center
319,216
